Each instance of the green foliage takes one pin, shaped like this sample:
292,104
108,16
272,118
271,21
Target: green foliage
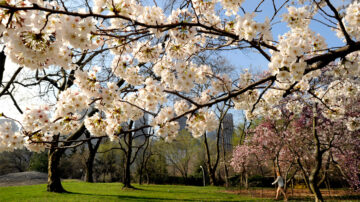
15,161
239,135
181,154
81,191
156,171
39,162
260,181
109,162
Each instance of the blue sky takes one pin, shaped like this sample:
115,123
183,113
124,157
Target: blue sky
248,58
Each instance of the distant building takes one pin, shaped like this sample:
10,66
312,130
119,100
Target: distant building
228,130
141,122
182,123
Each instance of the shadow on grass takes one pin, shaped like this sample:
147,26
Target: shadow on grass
327,198
137,198
132,189
345,197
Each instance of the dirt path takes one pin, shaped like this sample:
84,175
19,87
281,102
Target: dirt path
23,178
298,194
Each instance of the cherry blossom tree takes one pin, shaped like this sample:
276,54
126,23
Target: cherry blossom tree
151,57
306,142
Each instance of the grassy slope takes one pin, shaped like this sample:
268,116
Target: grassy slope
81,191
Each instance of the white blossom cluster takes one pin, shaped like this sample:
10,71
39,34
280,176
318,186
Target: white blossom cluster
297,17
152,95
247,28
353,123
87,82
10,139
205,9
76,32
201,122
184,33
152,52
295,106
118,115
222,83
181,76
37,121
166,129
338,95
128,8
70,102
123,68
96,124
152,16
231,6
181,107
286,63
351,21
35,44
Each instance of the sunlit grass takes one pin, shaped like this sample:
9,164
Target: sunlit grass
81,191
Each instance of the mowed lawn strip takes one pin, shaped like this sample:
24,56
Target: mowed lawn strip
81,191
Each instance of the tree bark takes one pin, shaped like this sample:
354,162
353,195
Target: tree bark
89,168
212,176
54,181
143,161
211,170
54,155
127,176
314,175
90,161
224,157
246,180
2,65
141,174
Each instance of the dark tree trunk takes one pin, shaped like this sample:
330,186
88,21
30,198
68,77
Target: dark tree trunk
241,180
90,161
314,175
89,168
54,182
144,161
54,155
2,65
304,174
246,181
147,176
211,169
313,181
130,156
127,176
224,157
212,176
140,175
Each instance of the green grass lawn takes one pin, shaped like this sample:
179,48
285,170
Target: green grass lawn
81,191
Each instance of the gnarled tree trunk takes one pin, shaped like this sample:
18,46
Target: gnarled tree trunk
90,160
54,181
127,176
211,169
318,154
144,161
54,156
